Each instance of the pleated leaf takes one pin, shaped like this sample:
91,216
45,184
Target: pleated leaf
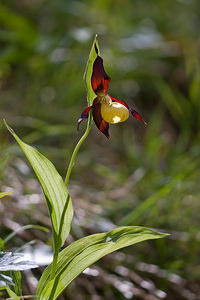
55,191
74,259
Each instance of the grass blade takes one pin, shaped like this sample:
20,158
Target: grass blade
5,194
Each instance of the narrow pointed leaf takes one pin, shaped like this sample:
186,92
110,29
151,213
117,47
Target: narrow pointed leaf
55,191
10,293
1,245
30,226
74,259
150,203
5,194
16,276
88,72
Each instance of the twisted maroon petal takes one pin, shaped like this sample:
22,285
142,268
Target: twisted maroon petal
84,115
100,79
119,101
134,113
101,124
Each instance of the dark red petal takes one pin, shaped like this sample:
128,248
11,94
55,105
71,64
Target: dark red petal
102,125
136,115
100,79
84,115
119,101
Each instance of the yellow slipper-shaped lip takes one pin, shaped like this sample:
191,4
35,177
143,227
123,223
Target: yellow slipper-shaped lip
114,113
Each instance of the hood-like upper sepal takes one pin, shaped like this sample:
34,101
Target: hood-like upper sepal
100,79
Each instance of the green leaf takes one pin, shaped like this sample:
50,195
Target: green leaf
12,280
30,226
88,72
74,259
1,245
5,194
57,197
16,276
10,293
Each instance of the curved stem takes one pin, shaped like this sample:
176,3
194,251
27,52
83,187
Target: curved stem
56,249
77,148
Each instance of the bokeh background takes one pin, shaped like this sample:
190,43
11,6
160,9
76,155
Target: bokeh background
147,176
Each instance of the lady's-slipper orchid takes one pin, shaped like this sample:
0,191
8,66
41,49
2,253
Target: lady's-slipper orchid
106,109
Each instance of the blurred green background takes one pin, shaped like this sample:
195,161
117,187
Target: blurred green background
146,176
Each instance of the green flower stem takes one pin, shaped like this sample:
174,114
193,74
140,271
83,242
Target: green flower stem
56,250
54,264
57,245
77,148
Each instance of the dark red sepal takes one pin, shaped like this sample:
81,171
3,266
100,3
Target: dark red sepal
136,115
84,115
100,79
119,101
102,125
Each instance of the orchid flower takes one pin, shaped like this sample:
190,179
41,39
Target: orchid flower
106,109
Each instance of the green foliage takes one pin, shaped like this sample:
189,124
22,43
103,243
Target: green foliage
74,259
30,226
149,206
16,276
22,29
1,245
90,98
57,197
88,72
13,282
4,194
10,293
152,56
70,262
